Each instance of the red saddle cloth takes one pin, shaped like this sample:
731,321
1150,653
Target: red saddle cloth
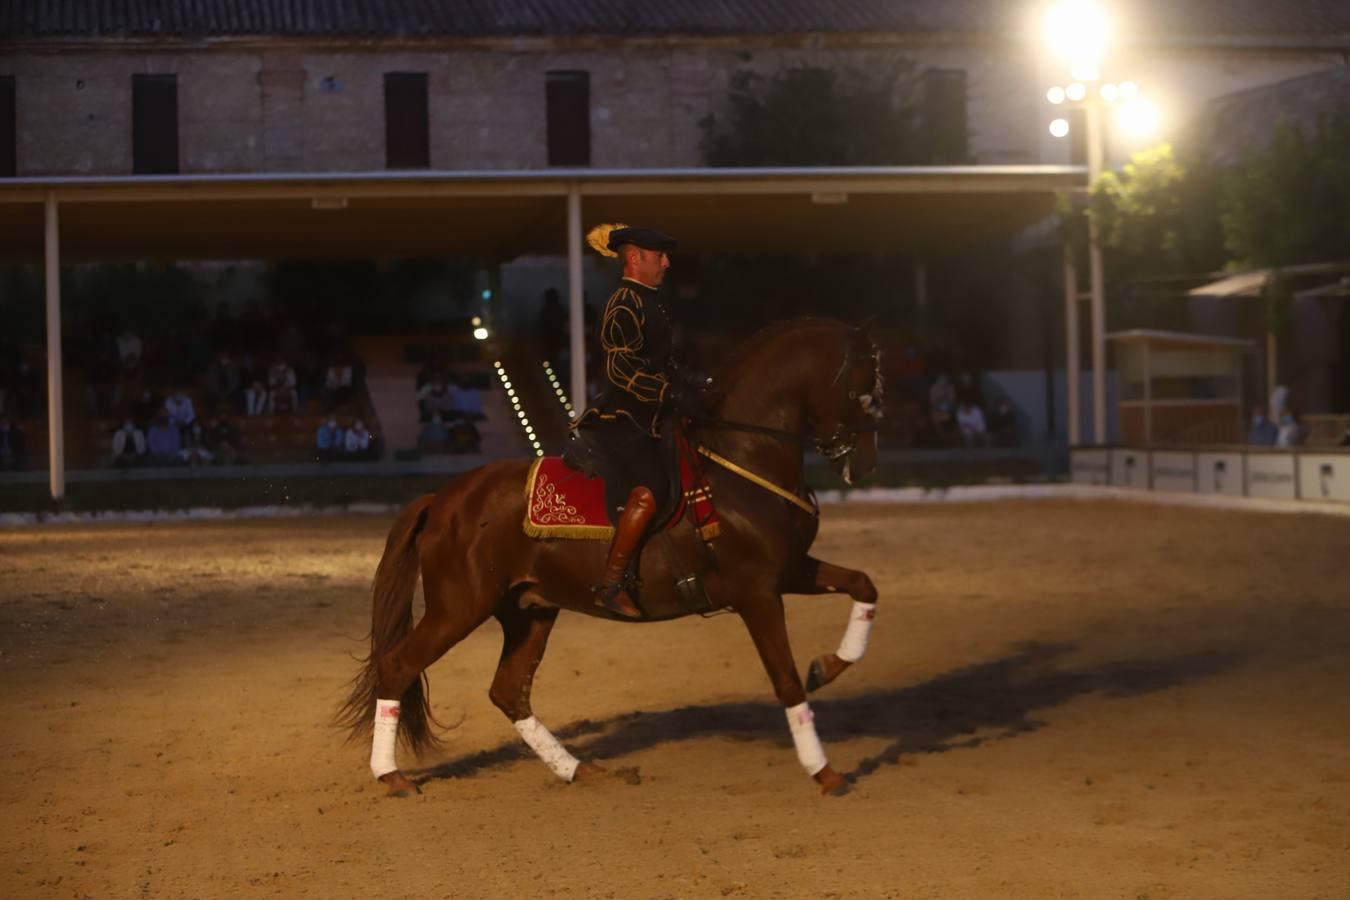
561,502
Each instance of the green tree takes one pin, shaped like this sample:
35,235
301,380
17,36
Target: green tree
1159,216
1290,203
812,116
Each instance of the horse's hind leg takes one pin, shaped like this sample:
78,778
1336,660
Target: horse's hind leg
446,623
524,637
815,576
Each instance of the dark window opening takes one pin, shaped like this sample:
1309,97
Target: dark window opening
944,116
569,118
407,124
154,124
9,129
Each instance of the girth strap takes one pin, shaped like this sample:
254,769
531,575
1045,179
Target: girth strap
762,482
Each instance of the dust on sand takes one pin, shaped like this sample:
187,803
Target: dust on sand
1062,699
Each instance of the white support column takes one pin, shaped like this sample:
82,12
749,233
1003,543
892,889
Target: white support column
1148,393
56,444
1072,362
1095,160
1272,368
575,304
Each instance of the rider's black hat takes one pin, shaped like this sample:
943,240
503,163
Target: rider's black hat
646,238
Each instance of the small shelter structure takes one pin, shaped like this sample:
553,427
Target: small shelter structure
1179,388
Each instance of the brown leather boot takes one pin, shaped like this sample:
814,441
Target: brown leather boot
612,592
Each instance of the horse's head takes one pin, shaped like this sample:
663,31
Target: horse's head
845,408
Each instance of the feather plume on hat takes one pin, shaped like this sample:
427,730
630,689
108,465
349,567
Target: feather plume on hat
598,238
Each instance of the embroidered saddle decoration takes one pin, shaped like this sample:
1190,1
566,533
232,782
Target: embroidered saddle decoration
561,502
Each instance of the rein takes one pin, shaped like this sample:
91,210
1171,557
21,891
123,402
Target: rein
756,479
833,447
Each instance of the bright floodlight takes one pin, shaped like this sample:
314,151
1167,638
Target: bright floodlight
1075,92
481,333
1055,95
1076,31
477,320
1128,89
1110,93
1059,127
1139,118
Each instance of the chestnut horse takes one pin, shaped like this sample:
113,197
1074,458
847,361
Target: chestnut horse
802,383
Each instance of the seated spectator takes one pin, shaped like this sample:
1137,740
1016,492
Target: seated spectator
942,404
281,393
1263,432
223,380
1290,433
434,436
180,409
337,385
129,349
195,452
436,396
128,445
970,421
1003,424
1345,439
11,444
328,440
163,441
468,401
255,398
357,442
223,440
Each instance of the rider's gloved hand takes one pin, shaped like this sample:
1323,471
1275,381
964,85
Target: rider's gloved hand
688,400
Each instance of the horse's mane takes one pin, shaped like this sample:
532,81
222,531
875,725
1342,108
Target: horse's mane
749,350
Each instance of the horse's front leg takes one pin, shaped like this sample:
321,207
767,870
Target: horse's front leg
768,629
815,576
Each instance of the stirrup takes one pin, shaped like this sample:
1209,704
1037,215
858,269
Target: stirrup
607,594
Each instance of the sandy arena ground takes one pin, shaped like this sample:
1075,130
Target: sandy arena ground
1069,699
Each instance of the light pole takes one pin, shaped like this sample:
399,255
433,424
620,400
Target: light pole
1077,32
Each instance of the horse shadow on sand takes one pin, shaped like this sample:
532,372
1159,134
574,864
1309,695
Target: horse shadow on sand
964,708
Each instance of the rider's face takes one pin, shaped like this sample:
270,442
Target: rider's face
649,266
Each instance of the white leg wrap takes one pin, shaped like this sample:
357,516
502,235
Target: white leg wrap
385,736
546,746
854,644
803,725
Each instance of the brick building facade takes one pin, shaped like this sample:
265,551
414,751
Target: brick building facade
471,84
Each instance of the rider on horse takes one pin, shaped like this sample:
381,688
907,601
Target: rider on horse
644,392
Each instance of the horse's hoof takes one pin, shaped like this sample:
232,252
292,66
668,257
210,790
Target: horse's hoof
831,782
399,785
588,772
823,670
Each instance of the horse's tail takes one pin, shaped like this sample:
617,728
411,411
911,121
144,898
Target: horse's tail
391,620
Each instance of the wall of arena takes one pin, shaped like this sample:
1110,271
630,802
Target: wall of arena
1320,475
